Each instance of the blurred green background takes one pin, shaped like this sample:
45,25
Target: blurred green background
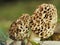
10,10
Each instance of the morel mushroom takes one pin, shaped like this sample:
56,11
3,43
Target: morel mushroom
19,29
43,21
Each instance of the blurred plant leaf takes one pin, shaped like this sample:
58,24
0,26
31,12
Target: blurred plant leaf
34,43
3,36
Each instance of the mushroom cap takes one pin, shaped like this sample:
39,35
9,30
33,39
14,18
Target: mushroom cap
43,21
19,29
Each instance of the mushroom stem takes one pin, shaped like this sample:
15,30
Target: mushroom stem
17,42
33,38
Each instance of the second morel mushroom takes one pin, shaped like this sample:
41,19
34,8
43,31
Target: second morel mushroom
19,29
44,20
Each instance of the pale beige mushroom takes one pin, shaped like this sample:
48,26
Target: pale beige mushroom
19,29
43,21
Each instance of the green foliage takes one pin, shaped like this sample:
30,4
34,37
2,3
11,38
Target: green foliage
3,36
34,43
